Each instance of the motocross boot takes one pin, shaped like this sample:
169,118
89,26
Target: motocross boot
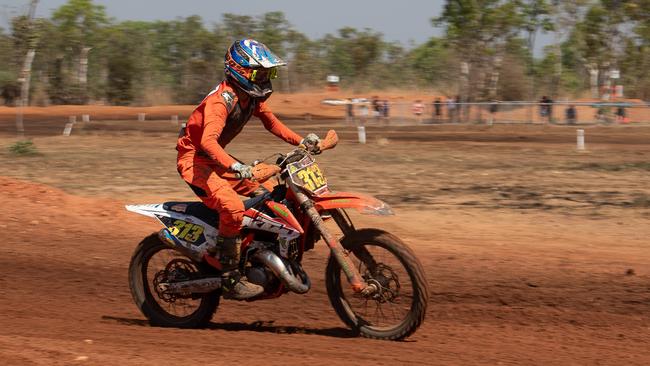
234,285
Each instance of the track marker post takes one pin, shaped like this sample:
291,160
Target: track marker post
67,130
85,118
175,120
580,140
361,130
141,117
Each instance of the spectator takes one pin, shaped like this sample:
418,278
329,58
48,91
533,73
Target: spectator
542,107
437,110
385,110
549,109
349,108
451,109
602,114
571,115
494,108
376,108
620,114
418,109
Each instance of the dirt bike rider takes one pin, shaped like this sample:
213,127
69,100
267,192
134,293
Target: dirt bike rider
218,178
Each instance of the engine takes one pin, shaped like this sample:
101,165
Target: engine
275,263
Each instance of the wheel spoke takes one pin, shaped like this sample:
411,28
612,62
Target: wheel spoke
395,298
163,266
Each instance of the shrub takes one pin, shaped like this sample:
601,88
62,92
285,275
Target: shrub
23,148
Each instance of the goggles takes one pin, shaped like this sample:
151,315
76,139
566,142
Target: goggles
263,75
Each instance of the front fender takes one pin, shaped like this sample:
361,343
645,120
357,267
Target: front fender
365,204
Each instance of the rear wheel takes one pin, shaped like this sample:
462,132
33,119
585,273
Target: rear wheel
154,263
399,307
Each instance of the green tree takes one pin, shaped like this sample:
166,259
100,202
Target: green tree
80,28
8,69
352,54
128,55
431,64
479,31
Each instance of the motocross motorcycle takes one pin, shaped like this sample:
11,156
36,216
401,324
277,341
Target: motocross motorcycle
374,281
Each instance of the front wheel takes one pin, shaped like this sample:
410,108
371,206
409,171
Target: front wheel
153,264
399,307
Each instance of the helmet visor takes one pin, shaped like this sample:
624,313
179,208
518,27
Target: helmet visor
261,76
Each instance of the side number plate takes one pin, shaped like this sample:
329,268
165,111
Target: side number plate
186,230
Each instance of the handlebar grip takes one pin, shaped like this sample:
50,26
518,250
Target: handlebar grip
263,171
330,141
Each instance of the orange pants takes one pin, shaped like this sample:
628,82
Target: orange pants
219,190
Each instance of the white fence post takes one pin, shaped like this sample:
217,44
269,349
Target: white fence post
175,120
362,134
141,117
67,130
85,118
581,140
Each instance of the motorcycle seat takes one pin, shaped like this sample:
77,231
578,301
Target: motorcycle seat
199,210
196,209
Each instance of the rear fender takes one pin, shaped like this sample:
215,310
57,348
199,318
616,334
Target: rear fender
365,204
184,227
151,210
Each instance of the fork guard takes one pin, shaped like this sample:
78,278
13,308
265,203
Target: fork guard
365,204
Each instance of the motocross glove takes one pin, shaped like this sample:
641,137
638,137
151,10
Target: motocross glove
311,143
243,171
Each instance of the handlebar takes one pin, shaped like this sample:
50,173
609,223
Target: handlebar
263,171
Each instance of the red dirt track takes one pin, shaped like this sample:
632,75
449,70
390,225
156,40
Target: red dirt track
533,254
64,282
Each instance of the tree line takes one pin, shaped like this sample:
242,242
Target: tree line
486,53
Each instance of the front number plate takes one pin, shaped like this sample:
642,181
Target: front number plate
309,176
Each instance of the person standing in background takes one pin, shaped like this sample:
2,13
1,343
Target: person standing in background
437,110
543,107
376,108
418,109
385,110
620,114
571,115
451,110
349,110
494,108
549,109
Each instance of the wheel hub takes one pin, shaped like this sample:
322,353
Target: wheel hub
385,283
176,270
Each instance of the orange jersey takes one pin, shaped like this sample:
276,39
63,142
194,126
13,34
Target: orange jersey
218,120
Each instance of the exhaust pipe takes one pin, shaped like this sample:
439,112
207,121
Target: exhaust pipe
277,266
202,286
185,248
267,257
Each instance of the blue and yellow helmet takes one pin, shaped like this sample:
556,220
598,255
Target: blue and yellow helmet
251,66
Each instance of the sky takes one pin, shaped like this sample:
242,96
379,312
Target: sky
313,18
406,21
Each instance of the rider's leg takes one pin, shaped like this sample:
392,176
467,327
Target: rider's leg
249,188
220,196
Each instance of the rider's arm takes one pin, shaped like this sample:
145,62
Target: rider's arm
214,121
273,124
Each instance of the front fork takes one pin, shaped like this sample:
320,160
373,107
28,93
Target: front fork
352,274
